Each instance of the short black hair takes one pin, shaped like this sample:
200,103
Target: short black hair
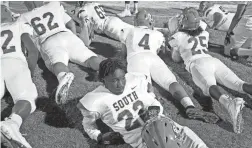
109,66
193,33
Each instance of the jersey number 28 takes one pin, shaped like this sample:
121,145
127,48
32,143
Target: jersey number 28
7,41
39,27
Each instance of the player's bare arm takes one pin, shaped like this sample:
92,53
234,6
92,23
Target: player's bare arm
86,32
32,52
71,26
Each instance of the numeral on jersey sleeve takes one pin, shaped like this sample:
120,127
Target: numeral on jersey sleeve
100,12
39,27
195,44
7,41
129,125
144,42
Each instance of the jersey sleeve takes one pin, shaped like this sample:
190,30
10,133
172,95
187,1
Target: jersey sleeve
89,123
124,35
174,41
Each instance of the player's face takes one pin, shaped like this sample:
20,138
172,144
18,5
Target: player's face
115,82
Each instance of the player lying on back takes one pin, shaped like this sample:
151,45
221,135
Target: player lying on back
93,18
123,102
58,44
220,19
190,45
238,39
142,44
16,71
215,16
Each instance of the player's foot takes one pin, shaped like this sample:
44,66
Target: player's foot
197,114
63,87
10,132
235,111
124,13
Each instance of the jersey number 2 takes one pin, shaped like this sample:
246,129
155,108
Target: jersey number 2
129,125
144,42
7,41
39,27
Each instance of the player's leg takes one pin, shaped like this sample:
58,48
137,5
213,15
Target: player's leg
80,54
126,11
203,74
135,10
24,93
113,27
228,78
162,75
55,54
240,40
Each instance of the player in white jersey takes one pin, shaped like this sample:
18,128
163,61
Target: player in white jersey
16,75
142,45
238,39
190,45
215,16
59,44
119,102
94,14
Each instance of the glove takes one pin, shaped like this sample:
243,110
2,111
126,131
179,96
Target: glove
197,114
110,138
152,112
227,38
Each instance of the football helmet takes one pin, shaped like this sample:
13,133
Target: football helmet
143,18
190,19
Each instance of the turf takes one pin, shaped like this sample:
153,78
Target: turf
52,126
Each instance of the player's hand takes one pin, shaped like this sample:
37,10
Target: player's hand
227,38
110,138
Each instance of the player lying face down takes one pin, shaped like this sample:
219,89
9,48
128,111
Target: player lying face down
124,102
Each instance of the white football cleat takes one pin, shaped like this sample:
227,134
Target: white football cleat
124,13
63,87
10,132
235,111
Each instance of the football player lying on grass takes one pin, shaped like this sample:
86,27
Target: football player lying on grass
125,102
17,69
189,44
239,35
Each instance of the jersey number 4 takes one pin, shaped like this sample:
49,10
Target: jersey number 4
129,125
196,41
39,27
7,41
144,42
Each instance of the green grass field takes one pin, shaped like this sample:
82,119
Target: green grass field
52,126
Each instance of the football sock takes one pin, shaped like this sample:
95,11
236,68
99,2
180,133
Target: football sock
60,76
186,101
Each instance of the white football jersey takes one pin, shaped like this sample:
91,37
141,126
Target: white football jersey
226,20
11,38
142,39
120,112
47,20
190,48
93,12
